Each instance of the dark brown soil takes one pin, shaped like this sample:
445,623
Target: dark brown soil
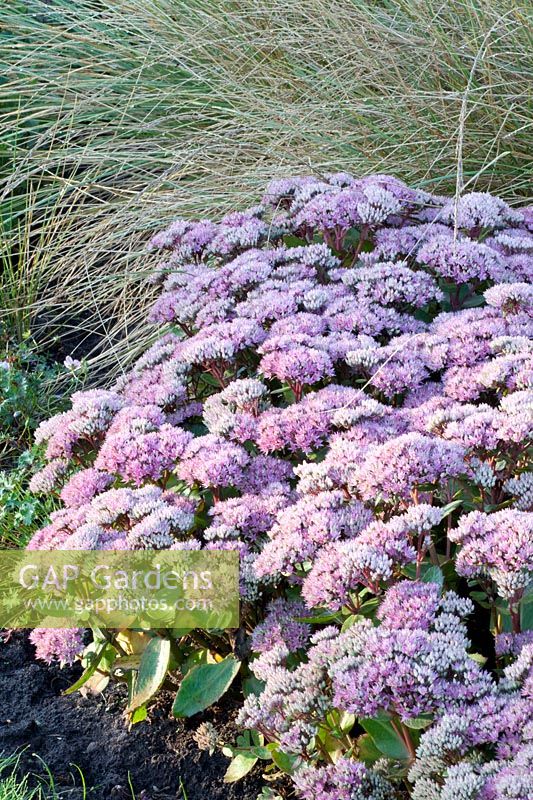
160,759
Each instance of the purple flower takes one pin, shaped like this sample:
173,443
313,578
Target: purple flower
247,517
341,413
511,298
140,445
461,260
91,415
213,462
281,627
57,644
369,559
47,479
402,465
311,523
72,363
185,239
409,605
392,284
62,525
409,671
499,546
344,780
299,366
83,486
476,211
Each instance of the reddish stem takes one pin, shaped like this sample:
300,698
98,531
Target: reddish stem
403,733
515,618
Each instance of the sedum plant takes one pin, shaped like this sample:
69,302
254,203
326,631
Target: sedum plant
341,393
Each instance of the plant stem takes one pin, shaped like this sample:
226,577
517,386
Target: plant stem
404,734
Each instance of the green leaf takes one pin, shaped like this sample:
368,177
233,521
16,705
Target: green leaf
268,793
506,623
429,573
367,750
419,723
139,715
332,745
261,752
105,655
474,301
252,685
239,767
450,575
244,739
204,685
527,597
369,606
152,670
320,619
433,574
351,620
447,509
385,738
282,760
526,615
127,664
200,656
346,722
293,241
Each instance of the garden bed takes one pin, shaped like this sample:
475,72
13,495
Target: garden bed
341,397
160,758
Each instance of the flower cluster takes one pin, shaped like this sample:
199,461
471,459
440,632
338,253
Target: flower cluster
57,644
483,750
120,519
282,626
343,393
409,670
403,670
345,780
498,545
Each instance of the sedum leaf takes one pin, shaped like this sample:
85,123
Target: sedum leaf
239,767
151,674
204,685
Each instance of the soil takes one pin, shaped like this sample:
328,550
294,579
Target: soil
159,758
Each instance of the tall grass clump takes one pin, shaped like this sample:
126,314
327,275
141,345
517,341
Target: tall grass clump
126,113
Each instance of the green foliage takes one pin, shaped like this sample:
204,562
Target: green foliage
204,685
31,389
97,660
245,754
13,787
282,760
239,766
21,513
144,660
17,786
151,673
269,794
386,738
